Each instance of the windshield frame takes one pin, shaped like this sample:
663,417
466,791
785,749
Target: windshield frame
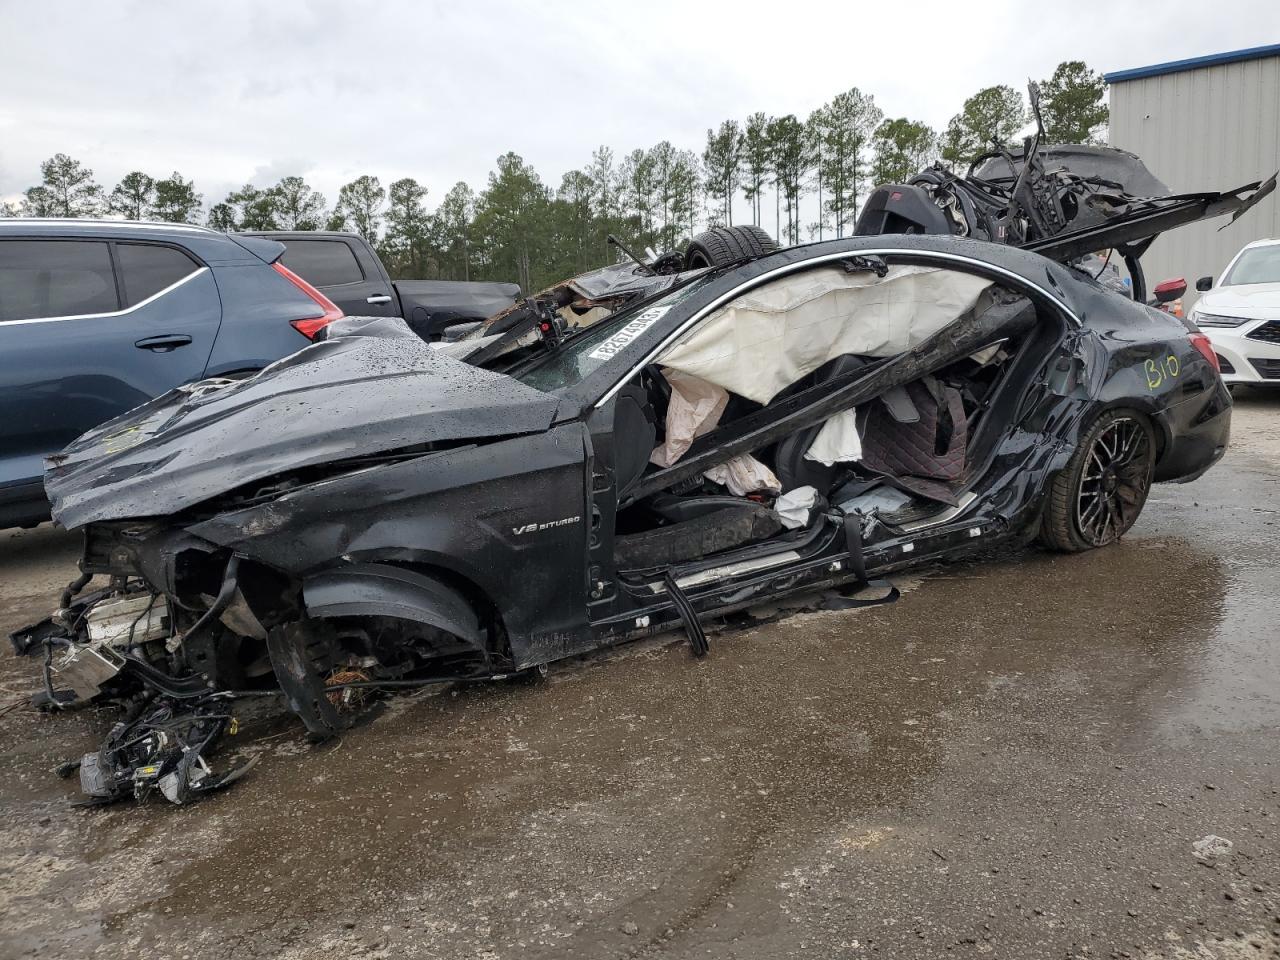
606,329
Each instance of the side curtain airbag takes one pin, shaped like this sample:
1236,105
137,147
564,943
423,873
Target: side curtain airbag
770,337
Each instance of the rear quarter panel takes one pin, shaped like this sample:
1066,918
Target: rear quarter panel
257,305
1151,365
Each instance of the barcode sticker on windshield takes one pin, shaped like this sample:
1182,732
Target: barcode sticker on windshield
611,347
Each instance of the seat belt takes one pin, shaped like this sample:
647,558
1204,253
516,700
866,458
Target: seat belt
853,544
688,616
844,600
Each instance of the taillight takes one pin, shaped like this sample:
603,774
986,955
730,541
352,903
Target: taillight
1201,343
310,326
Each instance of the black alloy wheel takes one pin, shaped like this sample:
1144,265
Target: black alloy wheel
1098,497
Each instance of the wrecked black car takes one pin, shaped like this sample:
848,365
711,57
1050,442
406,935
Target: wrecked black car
379,512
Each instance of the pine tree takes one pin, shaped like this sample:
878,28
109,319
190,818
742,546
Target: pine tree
843,130
453,230
722,160
663,160
222,216
298,207
406,245
636,177
176,200
1071,103
360,203
686,188
38,202
70,190
252,209
813,135
792,159
902,149
511,225
755,161
992,115
572,225
134,196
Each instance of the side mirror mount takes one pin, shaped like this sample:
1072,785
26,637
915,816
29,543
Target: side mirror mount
1204,284
1169,290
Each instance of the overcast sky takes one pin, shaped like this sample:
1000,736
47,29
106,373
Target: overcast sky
229,92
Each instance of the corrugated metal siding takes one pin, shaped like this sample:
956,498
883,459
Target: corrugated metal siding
1211,128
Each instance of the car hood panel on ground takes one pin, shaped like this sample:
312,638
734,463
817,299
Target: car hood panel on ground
346,397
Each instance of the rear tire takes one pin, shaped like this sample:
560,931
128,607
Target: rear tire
724,245
1100,493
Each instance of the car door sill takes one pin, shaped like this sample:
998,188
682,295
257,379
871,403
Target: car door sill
729,570
950,513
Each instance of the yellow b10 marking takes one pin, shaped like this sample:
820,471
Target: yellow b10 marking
1158,371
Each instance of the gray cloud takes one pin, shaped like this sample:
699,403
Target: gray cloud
230,92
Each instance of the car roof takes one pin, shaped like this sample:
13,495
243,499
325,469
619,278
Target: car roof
86,225
1265,242
210,245
299,234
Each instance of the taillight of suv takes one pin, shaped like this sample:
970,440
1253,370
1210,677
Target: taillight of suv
310,326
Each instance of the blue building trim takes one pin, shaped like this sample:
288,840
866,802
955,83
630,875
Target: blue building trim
1177,66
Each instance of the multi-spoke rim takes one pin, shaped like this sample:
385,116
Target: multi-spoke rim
1113,486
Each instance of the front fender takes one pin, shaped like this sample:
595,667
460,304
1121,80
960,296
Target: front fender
382,590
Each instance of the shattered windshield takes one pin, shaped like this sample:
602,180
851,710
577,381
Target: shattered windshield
580,356
1259,265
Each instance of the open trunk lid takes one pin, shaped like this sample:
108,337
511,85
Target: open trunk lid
1138,222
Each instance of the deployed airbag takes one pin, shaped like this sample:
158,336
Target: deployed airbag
769,338
694,408
744,474
837,441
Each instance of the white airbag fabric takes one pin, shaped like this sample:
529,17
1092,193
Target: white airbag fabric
794,506
744,474
769,338
837,441
694,408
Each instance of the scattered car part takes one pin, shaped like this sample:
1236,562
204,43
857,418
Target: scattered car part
1063,201
160,746
722,246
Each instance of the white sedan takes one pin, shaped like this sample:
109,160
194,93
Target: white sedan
1241,315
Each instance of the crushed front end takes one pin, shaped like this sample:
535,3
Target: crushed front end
188,639
218,578
152,642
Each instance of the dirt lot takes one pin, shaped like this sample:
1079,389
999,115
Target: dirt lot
1013,761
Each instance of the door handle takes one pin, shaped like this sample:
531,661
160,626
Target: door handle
163,343
378,298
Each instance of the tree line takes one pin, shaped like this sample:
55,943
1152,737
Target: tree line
517,227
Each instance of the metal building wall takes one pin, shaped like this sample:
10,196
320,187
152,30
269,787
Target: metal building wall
1206,128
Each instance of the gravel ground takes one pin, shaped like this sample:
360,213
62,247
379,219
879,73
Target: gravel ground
1015,760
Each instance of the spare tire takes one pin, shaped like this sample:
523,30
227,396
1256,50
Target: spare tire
724,245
